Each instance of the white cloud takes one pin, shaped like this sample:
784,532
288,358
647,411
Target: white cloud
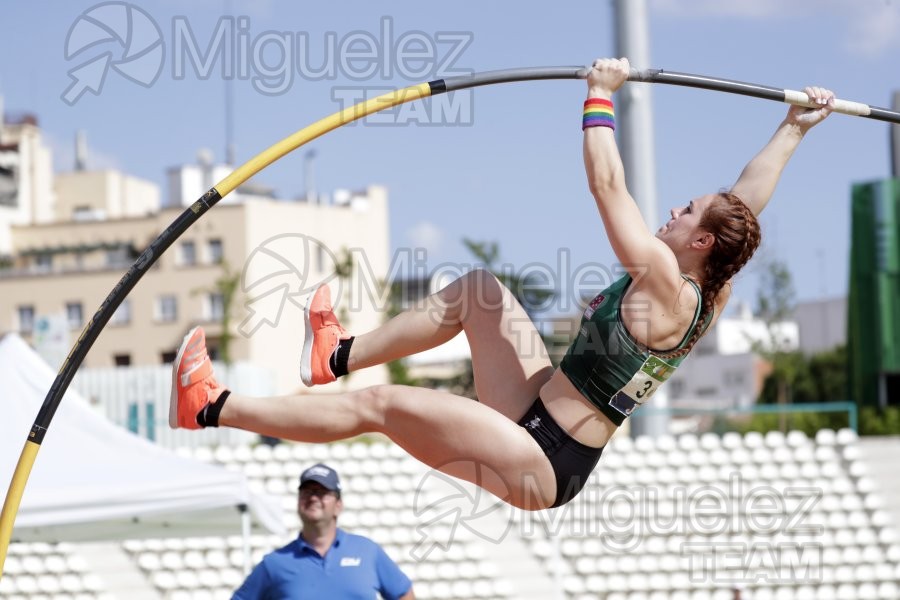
426,235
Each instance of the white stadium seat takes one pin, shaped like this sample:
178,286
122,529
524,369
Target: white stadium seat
826,437
826,592
865,486
888,590
846,436
644,444
283,453
27,584
688,441
71,583
796,438
48,584
857,469
710,441
732,440
774,439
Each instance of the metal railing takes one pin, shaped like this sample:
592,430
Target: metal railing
813,407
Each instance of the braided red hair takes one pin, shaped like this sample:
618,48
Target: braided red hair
737,237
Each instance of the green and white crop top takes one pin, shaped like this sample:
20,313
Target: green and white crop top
609,367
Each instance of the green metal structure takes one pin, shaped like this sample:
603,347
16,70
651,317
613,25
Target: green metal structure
873,321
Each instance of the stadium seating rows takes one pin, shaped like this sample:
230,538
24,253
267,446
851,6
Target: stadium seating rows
41,570
781,516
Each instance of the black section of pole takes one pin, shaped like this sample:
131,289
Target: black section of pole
708,83
93,328
461,82
883,114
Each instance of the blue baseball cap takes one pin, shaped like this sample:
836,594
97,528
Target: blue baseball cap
322,474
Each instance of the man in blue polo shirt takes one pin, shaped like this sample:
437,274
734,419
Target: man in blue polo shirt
325,562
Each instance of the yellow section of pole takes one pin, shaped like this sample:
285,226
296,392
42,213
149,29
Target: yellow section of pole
14,497
236,178
307,134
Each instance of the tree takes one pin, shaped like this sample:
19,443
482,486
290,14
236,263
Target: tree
226,285
821,377
775,302
529,290
343,270
829,372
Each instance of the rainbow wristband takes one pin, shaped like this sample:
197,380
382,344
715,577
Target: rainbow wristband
598,113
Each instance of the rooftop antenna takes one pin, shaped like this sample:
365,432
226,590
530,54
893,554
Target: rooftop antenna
230,158
81,150
309,176
206,160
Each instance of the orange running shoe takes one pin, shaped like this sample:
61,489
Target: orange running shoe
323,332
193,383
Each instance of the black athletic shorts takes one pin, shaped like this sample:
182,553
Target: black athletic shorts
572,461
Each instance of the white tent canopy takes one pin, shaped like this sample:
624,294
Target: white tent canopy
94,480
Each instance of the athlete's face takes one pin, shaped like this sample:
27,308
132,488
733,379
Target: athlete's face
683,227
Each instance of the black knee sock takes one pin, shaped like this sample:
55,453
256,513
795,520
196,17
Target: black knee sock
340,356
209,416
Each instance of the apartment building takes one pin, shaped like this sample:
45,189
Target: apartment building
243,271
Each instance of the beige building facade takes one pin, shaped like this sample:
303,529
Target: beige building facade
274,251
26,176
244,271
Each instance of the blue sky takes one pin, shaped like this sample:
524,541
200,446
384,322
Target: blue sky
513,171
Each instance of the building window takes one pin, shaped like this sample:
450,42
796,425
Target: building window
215,252
74,315
166,309
122,316
118,257
188,254
215,306
122,360
26,319
9,193
43,262
734,378
168,357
